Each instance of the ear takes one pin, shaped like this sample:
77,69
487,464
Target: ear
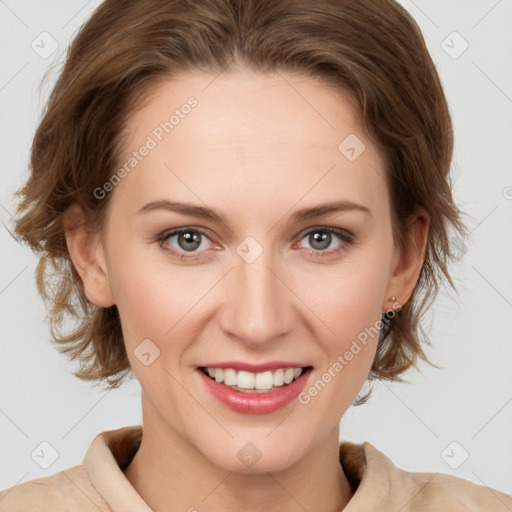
88,256
407,263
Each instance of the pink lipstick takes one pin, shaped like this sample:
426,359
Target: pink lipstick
255,403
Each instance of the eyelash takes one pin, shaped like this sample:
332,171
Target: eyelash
346,237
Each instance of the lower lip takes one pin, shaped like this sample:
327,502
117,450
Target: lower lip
256,403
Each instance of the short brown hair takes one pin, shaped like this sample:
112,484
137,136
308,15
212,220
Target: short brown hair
373,49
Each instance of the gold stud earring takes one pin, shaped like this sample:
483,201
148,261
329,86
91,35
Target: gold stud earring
393,298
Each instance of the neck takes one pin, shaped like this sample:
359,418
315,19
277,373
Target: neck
168,470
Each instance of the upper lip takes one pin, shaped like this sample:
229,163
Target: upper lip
255,368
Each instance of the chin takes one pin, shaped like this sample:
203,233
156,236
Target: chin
253,457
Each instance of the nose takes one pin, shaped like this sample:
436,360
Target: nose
257,306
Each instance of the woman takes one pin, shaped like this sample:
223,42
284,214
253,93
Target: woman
248,205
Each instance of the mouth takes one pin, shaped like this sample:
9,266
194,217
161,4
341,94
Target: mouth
247,392
255,382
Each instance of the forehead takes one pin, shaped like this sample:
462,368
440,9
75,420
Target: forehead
242,106
271,138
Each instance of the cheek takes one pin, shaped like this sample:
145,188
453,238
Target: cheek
346,299
348,306
153,299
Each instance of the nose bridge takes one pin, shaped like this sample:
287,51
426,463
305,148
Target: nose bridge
257,303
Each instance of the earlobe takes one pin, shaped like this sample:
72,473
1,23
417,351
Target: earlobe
410,261
88,257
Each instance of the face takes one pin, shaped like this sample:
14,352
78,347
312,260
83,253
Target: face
257,282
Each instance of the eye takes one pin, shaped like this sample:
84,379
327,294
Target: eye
321,238
188,240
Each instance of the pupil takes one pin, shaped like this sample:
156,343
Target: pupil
322,237
189,238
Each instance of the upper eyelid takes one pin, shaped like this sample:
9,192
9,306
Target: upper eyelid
204,231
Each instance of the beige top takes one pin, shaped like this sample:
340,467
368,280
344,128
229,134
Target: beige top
99,484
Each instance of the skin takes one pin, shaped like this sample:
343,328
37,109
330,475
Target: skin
256,149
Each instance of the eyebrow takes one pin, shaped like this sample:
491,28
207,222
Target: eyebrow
203,212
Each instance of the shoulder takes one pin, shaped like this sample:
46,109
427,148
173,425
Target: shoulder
435,490
70,489
377,481
88,487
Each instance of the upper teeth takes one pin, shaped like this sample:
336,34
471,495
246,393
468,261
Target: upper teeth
249,380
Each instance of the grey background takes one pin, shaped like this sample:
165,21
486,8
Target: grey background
468,401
